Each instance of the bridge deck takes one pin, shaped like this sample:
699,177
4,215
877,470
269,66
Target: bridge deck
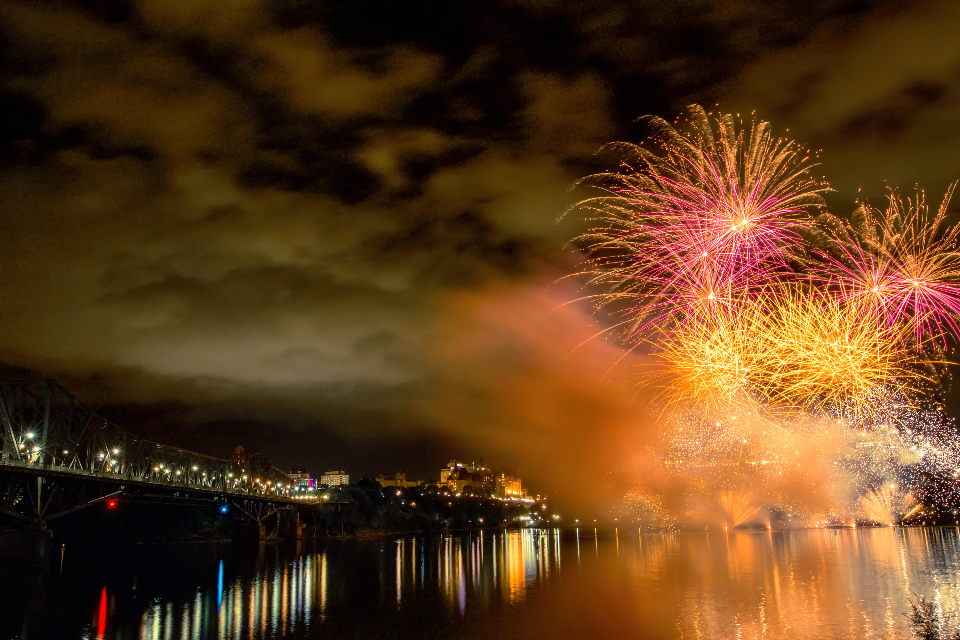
51,470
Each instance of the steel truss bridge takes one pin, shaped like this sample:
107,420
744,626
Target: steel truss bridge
58,457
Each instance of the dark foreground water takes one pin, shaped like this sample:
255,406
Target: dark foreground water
524,584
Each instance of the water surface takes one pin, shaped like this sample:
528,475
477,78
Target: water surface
530,584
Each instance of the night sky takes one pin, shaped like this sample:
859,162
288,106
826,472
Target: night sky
329,230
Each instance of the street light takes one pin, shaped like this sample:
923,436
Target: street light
29,435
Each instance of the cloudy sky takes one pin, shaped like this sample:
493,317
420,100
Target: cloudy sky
329,230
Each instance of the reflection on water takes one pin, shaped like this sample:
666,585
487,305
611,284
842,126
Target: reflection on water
289,596
796,584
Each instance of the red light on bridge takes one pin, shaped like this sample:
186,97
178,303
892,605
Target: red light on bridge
111,504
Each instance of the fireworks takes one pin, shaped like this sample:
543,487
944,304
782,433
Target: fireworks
824,352
738,506
706,241
788,351
714,215
903,263
888,504
701,245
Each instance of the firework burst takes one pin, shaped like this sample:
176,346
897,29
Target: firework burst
788,351
888,504
821,352
705,216
904,261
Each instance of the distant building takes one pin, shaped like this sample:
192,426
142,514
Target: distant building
300,478
508,487
334,478
467,478
398,480
452,468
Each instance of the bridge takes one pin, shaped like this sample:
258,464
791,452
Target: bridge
58,457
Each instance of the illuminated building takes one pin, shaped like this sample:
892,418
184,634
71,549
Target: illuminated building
467,478
452,469
334,479
509,487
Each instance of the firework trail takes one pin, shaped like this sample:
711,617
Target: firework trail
771,325
738,506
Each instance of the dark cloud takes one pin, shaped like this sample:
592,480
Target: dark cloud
880,99
329,227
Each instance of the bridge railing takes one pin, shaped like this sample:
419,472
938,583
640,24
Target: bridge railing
62,470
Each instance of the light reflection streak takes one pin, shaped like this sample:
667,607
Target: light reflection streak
399,571
462,583
253,609
168,622
185,624
236,598
262,604
102,614
220,586
413,563
308,583
275,604
323,585
284,594
197,616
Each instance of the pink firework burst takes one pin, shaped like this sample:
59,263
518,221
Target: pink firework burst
905,261
698,223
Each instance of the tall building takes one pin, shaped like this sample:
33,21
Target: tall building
334,478
453,468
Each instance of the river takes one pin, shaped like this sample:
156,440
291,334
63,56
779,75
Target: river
520,584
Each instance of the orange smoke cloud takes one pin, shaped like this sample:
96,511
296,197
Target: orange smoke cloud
527,380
